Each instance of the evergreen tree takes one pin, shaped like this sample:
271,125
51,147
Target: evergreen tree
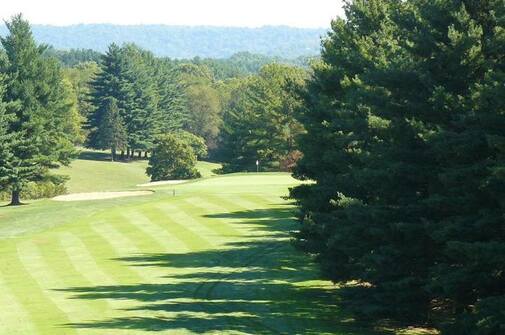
110,82
7,140
142,116
171,101
112,132
38,103
146,94
259,119
404,140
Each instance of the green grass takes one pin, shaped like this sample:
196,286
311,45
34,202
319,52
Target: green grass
211,256
215,258
94,172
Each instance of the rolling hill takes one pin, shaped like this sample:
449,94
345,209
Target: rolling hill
185,41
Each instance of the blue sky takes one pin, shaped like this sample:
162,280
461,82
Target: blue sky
250,13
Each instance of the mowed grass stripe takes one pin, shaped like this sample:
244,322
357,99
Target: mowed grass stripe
68,272
250,211
80,256
204,207
267,199
50,282
192,240
240,201
83,260
46,316
166,242
145,241
14,319
125,247
106,255
201,226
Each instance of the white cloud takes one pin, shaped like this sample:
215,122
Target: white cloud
251,13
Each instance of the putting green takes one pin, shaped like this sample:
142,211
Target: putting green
214,258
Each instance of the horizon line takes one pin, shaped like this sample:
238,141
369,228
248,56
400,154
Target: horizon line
179,25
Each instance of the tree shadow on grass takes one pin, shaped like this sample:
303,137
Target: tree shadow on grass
102,156
99,156
259,286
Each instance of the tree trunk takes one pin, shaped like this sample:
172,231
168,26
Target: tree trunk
15,201
113,154
122,154
140,153
127,153
145,155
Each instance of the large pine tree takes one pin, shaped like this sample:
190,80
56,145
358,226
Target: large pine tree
171,103
147,98
405,125
37,102
110,82
7,140
111,131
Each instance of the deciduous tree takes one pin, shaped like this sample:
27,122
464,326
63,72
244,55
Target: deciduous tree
172,158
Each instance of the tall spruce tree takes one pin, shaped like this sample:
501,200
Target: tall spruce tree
36,98
111,131
405,140
142,118
110,82
7,140
171,99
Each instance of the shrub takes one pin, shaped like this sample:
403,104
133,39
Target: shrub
49,187
172,158
196,142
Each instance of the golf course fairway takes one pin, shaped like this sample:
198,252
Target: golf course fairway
210,256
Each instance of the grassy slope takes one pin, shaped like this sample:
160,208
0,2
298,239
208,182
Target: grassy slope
214,258
94,171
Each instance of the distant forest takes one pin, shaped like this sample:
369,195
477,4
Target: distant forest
185,41
238,65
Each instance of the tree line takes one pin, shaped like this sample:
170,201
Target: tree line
127,101
136,97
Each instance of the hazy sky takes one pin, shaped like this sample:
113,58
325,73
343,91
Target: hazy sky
251,13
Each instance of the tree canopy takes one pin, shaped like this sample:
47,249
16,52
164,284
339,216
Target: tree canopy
404,120
259,119
172,158
40,121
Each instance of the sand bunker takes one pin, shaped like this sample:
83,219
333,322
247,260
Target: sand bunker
164,182
100,195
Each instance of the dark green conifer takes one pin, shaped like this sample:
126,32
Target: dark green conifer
112,132
38,109
405,140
